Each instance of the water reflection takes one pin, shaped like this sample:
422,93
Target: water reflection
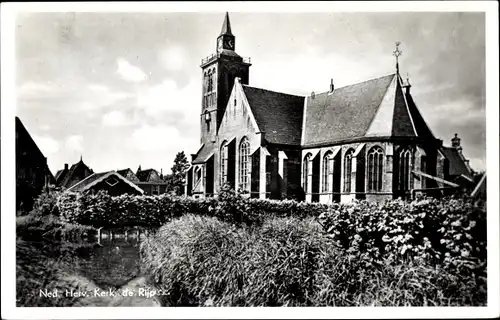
109,263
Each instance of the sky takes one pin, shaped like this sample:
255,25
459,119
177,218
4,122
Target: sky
124,89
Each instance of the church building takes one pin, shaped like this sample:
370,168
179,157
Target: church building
363,141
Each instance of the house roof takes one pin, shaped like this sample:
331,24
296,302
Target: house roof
277,114
373,108
95,178
206,151
456,161
60,174
68,177
129,174
147,176
25,138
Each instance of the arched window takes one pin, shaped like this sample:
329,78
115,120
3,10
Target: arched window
404,156
348,170
375,169
223,164
210,82
423,168
244,165
306,171
327,174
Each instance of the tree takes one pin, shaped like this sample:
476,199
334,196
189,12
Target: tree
177,179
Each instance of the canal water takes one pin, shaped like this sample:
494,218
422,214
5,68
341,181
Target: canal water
109,264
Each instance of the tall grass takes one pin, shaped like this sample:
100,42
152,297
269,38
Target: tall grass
202,261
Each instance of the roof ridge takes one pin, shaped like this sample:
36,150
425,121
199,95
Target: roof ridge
283,93
357,83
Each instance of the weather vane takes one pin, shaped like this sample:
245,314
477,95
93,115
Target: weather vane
397,52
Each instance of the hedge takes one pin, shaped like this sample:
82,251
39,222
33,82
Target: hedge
449,232
102,210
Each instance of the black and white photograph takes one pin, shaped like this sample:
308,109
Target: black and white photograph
218,155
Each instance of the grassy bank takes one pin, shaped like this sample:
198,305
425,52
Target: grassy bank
202,261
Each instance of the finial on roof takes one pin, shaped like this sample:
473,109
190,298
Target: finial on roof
81,158
397,52
407,85
226,26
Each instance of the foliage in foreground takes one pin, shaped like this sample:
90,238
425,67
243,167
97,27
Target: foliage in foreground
449,233
202,261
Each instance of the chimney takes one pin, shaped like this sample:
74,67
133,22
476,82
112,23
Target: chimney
332,87
455,143
313,95
65,166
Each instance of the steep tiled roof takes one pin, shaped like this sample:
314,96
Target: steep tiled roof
419,122
67,180
279,115
345,113
402,125
60,174
148,176
457,165
204,154
129,174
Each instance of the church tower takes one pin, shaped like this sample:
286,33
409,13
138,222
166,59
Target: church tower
219,71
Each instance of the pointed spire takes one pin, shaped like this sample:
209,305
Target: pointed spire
226,26
81,158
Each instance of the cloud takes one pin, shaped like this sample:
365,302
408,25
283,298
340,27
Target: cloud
31,88
115,118
161,138
477,164
74,142
130,72
173,58
68,98
166,97
47,144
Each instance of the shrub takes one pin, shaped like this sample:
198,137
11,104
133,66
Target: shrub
46,204
202,261
448,232
35,227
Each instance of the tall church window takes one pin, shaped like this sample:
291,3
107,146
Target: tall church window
244,164
327,174
223,163
348,170
306,172
404,169
375,166
423,168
